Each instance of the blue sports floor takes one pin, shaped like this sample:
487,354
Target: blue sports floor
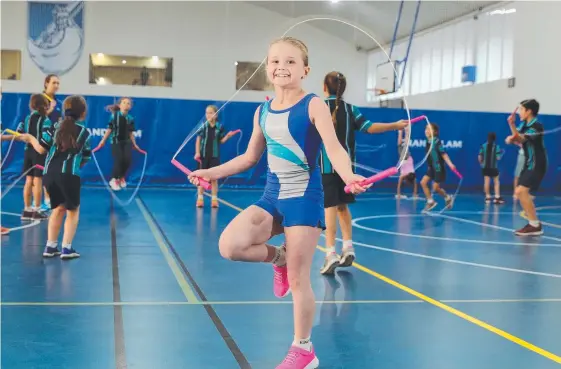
150,291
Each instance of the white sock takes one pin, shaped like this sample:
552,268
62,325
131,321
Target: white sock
214,198
199,197
279,259
52,244
66,246
305,343
534,223
430,201
347,243
28,208
331,250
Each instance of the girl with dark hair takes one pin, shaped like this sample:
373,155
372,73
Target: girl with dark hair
121,130
347,119
489,154
207,150
51,85
34,124
68,147
436,171
529,134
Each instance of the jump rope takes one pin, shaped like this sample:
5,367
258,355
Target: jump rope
115,197
106,184
375,178
206,185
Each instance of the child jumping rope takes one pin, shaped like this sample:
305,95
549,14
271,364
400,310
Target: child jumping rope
407,170
530,135
68,146
436,170
121,129
207,150
489,154
346,119
34,124
291,126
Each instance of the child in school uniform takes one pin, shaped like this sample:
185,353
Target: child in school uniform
436,171
121,130
34,124
68,149
489,154
207,150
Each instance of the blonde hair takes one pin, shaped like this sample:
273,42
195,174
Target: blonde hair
215,108
296,43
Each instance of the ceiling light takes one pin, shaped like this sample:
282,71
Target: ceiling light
124,61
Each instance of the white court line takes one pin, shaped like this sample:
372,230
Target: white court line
356,220
19,228
266,302
429,257
453,261
483,212
488,225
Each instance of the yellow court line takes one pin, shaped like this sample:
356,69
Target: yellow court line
445,307
185,287
523,215
458,313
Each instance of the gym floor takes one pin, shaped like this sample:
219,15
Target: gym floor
452,290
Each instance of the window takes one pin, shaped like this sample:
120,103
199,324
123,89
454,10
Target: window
437,57
11,64
259,82
130,70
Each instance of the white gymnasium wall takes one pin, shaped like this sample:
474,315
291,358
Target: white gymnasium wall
204,39
520,44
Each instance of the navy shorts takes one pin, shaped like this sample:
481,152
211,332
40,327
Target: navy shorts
531,178
439,176
296,211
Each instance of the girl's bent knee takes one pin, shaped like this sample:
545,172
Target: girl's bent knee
229,248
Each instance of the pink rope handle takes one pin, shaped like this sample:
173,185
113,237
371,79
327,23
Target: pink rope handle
419,118
204,184
40,167
235,132
375,178
458,173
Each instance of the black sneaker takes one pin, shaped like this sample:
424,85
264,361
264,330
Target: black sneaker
530,230
39,215
499,200
27,215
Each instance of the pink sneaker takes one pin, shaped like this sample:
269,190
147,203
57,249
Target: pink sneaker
298,358
281,286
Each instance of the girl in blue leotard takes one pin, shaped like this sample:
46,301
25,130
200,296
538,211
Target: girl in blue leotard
292,127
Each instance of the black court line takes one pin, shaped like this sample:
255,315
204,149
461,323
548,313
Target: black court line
226,336
119,329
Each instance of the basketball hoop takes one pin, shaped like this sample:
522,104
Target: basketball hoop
377,91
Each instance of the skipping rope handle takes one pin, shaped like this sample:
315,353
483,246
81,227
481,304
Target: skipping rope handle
388,172
375,178
204,184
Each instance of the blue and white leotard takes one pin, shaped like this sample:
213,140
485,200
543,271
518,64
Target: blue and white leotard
293,193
